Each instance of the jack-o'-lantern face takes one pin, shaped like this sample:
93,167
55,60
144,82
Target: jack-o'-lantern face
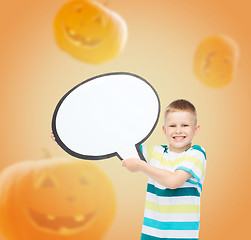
89,32
215,61
70,199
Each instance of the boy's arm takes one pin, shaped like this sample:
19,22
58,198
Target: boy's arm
166,178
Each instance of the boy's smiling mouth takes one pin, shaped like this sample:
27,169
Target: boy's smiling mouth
179,138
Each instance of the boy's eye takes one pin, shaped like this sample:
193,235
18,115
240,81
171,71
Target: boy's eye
171,125
185,125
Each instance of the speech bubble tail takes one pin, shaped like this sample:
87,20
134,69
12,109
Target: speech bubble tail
130,152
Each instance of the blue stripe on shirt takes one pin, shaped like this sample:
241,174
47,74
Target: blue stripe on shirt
141,148
178,192
148,237
199,148
171,225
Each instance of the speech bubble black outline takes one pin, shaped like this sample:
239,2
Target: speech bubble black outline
106,156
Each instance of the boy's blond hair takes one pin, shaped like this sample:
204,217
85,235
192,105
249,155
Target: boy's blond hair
180,105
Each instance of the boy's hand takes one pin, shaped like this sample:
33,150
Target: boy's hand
132,164
52,136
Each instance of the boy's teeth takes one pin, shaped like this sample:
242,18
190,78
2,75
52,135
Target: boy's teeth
179,138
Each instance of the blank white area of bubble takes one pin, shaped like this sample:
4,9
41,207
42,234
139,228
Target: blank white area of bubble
107,114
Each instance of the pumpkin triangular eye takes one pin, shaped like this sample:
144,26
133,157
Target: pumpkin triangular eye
48,182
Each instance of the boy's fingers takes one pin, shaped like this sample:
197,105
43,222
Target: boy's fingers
52,136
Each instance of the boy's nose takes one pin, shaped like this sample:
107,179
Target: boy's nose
178,130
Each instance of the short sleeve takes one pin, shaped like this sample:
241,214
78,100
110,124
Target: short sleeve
147,151
194,162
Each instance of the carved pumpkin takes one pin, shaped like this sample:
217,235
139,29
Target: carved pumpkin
89,31
215,60
55,200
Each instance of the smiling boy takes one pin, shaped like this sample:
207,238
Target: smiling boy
175,176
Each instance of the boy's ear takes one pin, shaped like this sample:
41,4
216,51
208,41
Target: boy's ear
197,129
164,129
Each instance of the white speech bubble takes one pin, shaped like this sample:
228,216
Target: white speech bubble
106,115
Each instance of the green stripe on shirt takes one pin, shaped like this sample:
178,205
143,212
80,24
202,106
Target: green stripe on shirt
186,208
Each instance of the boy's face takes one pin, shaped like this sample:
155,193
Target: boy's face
180,128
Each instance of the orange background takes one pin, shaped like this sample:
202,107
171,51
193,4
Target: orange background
162,38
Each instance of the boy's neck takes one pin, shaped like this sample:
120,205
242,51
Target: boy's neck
179,150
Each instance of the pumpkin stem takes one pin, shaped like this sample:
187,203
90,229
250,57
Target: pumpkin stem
47,153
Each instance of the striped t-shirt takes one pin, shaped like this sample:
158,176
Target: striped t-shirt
173,214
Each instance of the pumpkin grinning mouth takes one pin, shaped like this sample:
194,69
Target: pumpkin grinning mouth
62,225
86,42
